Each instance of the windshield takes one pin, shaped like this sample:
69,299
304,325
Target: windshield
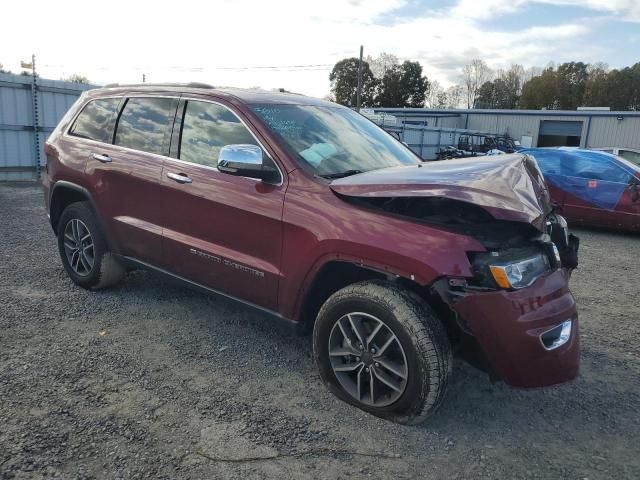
334,141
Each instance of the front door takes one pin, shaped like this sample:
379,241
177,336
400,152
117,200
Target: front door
220,231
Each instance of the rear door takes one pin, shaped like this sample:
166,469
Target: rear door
126,175
221,231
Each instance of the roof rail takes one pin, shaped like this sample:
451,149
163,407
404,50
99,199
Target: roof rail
188,85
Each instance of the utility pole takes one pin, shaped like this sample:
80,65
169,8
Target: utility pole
35,113
359,93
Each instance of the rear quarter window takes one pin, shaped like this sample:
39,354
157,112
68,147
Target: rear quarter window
97,120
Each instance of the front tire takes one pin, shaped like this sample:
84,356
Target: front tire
83,249
381,348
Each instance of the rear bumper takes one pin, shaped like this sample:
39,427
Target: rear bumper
509,327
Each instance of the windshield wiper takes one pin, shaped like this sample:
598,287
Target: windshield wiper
346,173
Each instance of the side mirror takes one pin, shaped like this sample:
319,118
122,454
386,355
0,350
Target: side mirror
246,161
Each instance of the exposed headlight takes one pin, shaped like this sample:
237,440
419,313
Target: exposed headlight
519,273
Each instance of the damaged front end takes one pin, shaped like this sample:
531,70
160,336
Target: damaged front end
517,314
516,310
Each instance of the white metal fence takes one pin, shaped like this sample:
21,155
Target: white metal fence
29,111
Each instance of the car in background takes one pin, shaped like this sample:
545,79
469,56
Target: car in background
630,154
590,187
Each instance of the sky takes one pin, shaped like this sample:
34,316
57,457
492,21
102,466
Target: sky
293,44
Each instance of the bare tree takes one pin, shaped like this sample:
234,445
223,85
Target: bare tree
517,74
511,83
598,67
454,96
381,64
435,95
474,75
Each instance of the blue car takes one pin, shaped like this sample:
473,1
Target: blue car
591,187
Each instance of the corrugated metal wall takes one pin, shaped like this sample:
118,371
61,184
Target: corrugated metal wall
518,125
611,132
18,154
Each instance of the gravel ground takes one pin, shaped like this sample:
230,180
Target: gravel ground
150,379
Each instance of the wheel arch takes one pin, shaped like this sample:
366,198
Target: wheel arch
65,193
335,274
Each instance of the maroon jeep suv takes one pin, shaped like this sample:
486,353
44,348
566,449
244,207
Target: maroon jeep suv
311,213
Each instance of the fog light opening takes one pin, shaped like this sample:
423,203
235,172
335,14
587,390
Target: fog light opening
556,336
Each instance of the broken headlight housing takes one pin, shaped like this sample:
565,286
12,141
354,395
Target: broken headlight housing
510,269
521,273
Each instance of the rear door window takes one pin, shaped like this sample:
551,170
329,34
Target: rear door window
97,120
145,124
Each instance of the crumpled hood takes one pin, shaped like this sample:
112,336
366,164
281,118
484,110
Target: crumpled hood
510,187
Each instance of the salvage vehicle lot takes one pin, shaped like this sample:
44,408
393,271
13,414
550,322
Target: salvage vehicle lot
152,379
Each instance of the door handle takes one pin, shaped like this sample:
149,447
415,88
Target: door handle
179,177
101,158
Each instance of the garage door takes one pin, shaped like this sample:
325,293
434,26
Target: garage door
559,127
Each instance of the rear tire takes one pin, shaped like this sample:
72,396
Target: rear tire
84,251
401,370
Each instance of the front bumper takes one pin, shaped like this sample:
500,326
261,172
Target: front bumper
509,326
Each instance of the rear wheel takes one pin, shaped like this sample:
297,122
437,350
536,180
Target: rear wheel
381,348
83,249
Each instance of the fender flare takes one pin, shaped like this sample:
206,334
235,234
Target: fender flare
64,184
366,264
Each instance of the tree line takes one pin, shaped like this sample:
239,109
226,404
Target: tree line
566,87
388,83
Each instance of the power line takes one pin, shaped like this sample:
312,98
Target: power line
273,67
266,68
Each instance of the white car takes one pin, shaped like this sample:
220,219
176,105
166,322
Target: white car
630,154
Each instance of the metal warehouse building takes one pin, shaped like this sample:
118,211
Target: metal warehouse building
541,128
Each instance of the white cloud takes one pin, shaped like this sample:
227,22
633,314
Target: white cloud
200,41
482,9
625,9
